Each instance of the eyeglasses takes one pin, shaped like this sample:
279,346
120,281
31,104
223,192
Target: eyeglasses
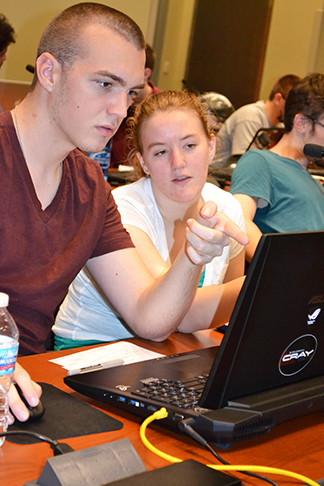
315,121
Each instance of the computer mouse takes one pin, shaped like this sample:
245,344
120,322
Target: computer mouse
35,413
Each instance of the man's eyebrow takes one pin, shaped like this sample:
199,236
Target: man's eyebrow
118,79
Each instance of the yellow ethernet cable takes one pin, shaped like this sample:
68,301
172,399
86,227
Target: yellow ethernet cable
162,413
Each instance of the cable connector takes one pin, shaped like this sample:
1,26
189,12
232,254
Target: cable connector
60,448
160,414
186,426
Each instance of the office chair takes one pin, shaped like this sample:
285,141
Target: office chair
266,137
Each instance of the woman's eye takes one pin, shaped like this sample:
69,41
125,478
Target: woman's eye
160,152
190,145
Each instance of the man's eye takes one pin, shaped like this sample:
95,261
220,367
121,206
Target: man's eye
132,93
104,84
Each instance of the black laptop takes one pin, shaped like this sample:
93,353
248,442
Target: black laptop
268,369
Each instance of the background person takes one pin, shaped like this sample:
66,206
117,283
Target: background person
239,128
172,144
274,187
7,37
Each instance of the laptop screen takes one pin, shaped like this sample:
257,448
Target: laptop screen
276,332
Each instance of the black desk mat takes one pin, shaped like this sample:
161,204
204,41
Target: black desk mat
65,416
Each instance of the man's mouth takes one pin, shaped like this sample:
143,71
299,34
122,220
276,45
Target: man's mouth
106,131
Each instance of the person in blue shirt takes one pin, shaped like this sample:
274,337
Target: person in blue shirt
276,191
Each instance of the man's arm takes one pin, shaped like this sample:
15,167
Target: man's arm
249,206
152,307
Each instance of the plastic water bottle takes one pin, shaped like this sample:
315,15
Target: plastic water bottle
8,353
103,158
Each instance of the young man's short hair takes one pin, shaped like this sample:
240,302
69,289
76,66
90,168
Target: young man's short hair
61,37
283,85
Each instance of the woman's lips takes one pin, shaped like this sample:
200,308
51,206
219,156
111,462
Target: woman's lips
181,179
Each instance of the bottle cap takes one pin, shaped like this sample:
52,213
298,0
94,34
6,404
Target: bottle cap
4,299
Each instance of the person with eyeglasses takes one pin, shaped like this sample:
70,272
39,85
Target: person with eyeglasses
274,187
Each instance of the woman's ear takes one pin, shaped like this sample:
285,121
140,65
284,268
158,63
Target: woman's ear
300,122
212,147
143,165
47,68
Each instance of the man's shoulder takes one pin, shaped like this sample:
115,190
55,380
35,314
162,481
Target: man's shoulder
244,114
250,109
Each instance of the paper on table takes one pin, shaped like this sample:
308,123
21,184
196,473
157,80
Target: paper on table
128,352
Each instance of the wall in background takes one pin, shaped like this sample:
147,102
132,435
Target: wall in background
29,18
228,45
173,60
295,41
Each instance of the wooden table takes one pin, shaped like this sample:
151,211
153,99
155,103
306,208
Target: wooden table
297,445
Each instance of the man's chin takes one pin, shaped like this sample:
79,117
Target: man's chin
95,148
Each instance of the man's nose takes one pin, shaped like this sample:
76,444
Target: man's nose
118,105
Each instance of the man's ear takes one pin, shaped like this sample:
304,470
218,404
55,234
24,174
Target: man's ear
278,97
147,73
143,165
47,68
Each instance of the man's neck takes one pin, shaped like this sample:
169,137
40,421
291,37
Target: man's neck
272,113
34,129
42,154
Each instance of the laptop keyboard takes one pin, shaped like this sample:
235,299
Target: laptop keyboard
181,394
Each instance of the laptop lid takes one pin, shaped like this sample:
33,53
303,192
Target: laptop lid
276,332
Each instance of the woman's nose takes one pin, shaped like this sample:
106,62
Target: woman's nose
177,159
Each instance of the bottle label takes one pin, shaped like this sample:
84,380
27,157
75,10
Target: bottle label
8,360
103,158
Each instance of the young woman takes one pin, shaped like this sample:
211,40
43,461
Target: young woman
173,143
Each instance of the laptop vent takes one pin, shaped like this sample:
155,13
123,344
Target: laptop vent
253,429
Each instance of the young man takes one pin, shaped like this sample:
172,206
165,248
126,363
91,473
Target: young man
58,211
274,187
239,129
